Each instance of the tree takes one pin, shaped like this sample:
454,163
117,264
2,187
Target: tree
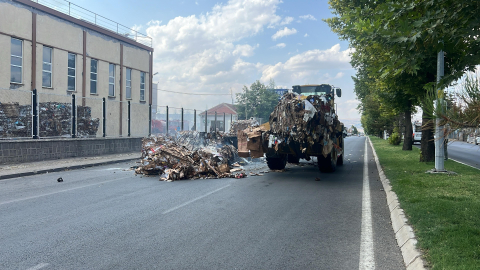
354,130
256,101
396,43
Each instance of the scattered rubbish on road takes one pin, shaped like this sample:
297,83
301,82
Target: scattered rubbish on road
317,179
185,158
60,179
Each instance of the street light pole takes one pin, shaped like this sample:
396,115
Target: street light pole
439,134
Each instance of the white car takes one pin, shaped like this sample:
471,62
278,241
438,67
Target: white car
473,139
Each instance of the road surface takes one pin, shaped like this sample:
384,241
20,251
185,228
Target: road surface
463,152
107,218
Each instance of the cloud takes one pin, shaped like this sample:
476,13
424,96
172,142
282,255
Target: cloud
136,27
307,66
154,22
207,53
280,45
284,32
306,35
286,20
308,17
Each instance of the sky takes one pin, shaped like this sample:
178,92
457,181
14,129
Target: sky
217,47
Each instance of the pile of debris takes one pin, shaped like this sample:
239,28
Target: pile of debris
15,120
175,159
55,119
86,125
303,119
242,124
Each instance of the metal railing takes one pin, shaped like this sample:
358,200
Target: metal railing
86,15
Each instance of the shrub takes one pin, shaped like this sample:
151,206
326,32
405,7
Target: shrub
395,138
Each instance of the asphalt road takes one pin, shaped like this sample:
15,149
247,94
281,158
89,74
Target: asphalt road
107,218
463,152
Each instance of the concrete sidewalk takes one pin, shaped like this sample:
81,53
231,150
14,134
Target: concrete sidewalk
25,169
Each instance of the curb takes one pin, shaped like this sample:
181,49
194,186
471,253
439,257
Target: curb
63,168
412,257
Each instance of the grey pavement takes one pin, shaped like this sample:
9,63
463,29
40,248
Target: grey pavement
39,167
105,217
462,152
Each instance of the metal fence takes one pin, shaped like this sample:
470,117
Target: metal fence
172,120
33,114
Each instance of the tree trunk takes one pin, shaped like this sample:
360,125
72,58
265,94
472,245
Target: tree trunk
428,144
408,140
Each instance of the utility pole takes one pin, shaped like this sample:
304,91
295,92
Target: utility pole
439,104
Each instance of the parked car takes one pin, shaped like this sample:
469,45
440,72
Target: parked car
417,132
473,139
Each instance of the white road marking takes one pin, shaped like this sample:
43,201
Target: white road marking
191,201
38,266
60,191
464,163
367,260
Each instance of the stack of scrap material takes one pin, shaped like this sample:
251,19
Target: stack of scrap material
253,145
55,119
306,120
242,124
86,125
15,120
166,157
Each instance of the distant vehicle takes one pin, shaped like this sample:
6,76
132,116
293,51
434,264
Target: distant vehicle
417,132
473,139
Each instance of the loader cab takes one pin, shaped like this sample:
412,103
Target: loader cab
321,89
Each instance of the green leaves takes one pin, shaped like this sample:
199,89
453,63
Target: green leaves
257,101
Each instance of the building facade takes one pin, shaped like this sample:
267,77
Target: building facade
60,54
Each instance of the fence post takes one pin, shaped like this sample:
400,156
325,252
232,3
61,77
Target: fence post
215,127
182,119
150,120
128,119
195,120
206,119
167,121
104,102
34,114
74,117
224,124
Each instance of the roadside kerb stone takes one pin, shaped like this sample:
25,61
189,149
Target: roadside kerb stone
410,254
404,234
394,204
398,219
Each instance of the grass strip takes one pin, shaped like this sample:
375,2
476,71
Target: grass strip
444,210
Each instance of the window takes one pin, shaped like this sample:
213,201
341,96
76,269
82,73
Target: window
71,71
93,76
47,67
142,86
16,61
129,83
111,80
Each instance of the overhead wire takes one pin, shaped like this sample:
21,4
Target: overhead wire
198,94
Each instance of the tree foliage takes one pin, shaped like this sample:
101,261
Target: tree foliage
396,44
256,101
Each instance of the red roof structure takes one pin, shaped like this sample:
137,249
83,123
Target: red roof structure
222,108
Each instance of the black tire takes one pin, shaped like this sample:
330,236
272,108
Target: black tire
276,163
327,164
293,159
